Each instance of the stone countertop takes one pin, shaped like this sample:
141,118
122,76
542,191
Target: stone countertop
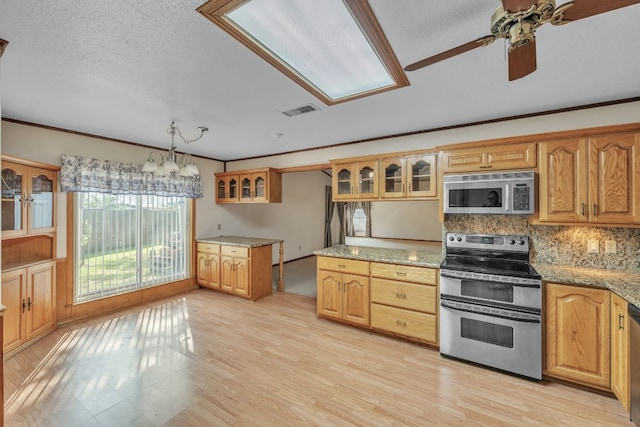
418,258
240,241
625,283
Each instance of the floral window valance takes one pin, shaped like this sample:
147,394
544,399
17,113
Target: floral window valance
104,176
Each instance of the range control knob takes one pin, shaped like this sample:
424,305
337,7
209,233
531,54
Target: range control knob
512,242
451,238
459,239
521,242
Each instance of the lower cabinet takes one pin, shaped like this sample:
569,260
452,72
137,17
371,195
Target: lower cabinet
620,381
578,335
393,299
238,270
343,290
404,301
29,297
208,269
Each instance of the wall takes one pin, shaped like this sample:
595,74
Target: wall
560,245
407,219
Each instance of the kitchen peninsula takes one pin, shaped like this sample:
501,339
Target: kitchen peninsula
238,265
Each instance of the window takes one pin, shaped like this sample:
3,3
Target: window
335,49
359,222
126,242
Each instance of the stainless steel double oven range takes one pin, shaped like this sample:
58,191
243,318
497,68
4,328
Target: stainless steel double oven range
491,303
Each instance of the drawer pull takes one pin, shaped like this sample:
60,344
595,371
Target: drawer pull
401,273
342,266
402,296
401,323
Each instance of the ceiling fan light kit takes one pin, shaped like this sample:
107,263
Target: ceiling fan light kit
517,20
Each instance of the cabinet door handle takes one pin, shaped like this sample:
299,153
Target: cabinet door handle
24,304
25,200
620,319
29,304
401,296
583,208
401,323
595,210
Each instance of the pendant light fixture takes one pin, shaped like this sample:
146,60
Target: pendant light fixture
171,163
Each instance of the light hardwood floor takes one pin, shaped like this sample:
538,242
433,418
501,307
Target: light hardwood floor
209,359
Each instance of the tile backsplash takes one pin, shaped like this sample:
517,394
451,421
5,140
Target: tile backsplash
559,245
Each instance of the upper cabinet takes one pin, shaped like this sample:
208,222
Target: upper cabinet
408,177
249,186
355,180
590,180
394,176
27,199
499,157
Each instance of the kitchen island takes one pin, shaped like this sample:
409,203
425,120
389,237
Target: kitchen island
238,265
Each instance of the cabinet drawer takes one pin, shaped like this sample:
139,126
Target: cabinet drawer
235,251
404,295
404,272
210,248
343,264
421,326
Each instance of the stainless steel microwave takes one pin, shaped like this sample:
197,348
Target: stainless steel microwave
486,193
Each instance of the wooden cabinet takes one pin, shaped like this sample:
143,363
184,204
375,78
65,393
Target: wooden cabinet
239,270
620,381
577,334
408,177
497,157
27,199
404,301
208,268
227,188
249,186
343,290
29,296
234,262
355,180
594,180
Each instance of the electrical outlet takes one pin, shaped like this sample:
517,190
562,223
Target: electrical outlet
219,227
610,247
299,247
593,246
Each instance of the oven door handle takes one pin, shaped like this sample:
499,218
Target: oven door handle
518,285
452,306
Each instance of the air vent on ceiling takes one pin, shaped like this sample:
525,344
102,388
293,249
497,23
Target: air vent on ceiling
300,110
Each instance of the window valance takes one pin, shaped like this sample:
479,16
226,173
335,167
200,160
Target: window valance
105,176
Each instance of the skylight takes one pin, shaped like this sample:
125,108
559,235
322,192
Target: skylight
333,48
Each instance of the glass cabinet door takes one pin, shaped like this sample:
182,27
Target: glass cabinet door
13,210
233,188
422,176
222,187
367,180
245,188
343,183
393,176
259,186
40,201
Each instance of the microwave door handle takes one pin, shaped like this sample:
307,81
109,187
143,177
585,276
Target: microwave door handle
507,199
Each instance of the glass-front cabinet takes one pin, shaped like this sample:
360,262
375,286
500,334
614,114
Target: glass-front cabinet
408,176
227,189
355,180
27,200
253,186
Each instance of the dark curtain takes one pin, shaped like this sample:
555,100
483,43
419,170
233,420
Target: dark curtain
349,209
341,208
328,215
366,207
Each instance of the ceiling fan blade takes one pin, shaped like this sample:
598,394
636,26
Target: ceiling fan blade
522,60
482,41
585,8
516,5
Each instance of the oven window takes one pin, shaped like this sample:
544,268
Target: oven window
486,290
486,332
475,197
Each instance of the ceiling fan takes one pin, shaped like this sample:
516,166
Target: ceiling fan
517,20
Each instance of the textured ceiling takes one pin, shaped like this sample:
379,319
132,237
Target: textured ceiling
125,69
